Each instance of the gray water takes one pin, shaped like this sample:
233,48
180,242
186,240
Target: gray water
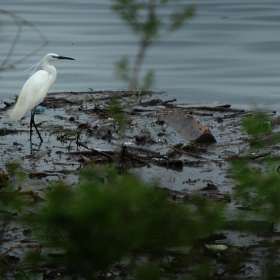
228,53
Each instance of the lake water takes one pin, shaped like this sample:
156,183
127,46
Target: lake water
230,52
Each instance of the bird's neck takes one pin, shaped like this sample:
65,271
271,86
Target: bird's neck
50,69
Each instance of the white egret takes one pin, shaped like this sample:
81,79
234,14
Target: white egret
35,90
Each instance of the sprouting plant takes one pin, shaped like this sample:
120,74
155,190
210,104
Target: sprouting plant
144,20
257,123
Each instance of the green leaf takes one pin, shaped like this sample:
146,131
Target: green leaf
257,124
122,70
178,18
148,80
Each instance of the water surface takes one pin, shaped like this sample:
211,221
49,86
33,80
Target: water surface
228,53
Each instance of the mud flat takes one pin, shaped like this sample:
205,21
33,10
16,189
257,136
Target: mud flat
185,147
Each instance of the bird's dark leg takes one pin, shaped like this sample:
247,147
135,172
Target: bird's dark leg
32,117
32,122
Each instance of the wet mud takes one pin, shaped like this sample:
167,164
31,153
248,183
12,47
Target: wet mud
79,131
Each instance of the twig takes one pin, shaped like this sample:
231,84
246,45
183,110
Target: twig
214,108
138,159
144,150
13,45
24,274
79,133
9,267
249,157
93,150
19,20
31,193
18,246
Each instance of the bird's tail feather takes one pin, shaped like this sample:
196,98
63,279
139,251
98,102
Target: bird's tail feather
16,113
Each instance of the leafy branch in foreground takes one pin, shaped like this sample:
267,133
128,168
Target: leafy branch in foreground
110,218
257,124
257,188
143,18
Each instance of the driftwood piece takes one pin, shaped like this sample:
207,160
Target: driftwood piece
189,127
152,102
224,108
155,102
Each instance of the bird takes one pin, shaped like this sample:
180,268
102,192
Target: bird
35,90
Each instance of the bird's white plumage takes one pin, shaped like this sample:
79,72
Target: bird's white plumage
33,93
35,90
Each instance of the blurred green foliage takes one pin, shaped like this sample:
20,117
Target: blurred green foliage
257,123
258,183
145,21
111,217
258,188
115,109
8,197
15,172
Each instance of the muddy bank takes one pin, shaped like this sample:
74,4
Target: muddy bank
79,130
185,148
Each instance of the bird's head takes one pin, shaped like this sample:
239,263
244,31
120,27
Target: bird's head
53,56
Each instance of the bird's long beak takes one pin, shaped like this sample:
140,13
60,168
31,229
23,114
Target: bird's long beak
64,57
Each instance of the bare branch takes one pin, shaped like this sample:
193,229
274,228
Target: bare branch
21,22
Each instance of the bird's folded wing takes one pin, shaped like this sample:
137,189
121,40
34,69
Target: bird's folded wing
32,94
